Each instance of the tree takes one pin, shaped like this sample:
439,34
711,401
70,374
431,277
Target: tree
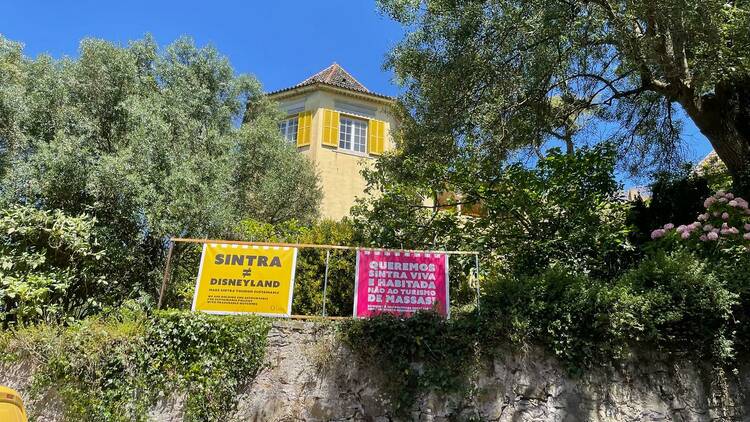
486,77
149,143
563,212
276,184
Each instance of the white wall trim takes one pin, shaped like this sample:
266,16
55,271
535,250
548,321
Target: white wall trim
293,108
355,109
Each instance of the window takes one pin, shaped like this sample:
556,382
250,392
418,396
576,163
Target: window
352,134
288,129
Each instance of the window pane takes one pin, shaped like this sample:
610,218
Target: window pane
288,129
360,136
292,129
345,133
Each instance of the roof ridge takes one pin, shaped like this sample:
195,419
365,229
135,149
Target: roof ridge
331,69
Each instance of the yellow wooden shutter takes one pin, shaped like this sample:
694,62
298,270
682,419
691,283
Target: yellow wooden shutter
304,128
376,137
330,128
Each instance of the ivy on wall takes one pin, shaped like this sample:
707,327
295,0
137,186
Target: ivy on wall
115,369
672,303
423,353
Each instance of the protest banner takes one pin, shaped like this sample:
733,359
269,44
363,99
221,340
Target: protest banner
400,282
241,278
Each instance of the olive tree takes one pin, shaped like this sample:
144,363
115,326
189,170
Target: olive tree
149,142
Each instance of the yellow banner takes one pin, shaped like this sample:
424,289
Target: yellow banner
245,279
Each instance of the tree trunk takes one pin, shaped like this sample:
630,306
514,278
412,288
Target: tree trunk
724,118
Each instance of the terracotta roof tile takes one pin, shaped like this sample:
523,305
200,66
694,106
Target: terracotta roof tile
335,75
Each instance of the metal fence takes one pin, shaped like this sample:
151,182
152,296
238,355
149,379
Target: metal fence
328,248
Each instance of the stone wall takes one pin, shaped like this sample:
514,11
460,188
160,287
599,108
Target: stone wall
310,377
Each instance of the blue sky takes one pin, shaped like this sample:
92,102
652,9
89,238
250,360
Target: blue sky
280,42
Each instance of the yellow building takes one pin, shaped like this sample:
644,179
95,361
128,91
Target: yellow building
340,126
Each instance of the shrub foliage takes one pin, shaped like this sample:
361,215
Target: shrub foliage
51,266
114,369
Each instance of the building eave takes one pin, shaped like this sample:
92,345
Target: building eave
302,89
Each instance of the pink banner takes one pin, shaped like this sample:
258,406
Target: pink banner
400,282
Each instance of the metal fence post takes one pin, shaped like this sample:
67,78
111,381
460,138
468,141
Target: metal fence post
325,282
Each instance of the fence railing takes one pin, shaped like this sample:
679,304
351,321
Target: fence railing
328,248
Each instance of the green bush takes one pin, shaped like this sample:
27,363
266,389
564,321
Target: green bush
672,301
50,266
734,273
716,248
583,321
113,369
208,357
686,308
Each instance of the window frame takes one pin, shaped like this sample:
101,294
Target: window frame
284,128
351,127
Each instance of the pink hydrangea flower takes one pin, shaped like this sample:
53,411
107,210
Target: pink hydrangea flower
685,235
703,217
733,203
681,228
695,225
668,226
723,200
708,228
729,230
719,194
703,238
658,233
747,236
709,201
712,236
747,227
729,195
725,216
